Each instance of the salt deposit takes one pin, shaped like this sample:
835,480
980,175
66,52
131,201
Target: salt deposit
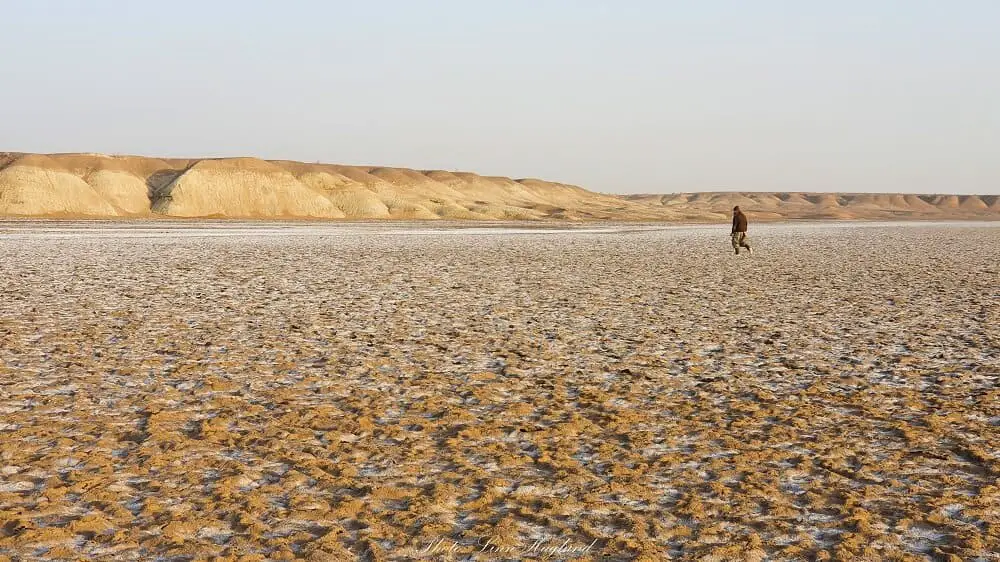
282,392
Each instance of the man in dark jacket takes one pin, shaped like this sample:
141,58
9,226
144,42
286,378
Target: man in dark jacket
740,231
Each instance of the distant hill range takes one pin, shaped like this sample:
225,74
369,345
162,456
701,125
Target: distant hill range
829,206
102,186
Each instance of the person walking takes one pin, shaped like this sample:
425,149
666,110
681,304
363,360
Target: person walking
740,231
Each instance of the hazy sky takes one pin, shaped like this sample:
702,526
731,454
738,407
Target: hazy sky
627,96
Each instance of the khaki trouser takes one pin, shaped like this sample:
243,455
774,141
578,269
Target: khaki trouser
740,241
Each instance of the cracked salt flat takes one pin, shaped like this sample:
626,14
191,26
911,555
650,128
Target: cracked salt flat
291,392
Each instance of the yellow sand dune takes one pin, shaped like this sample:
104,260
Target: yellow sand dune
35,185
241,187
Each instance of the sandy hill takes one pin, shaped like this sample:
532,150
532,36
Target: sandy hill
871,206
97,185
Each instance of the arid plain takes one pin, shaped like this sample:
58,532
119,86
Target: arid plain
397,392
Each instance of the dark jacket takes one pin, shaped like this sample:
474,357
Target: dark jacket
739,222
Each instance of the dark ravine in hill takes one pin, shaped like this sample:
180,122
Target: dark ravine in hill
102,186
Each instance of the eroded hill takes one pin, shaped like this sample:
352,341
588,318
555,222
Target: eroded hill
710,206
102,186
114,186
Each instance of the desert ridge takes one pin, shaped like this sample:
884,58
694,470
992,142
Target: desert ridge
105,186
825,206
96,185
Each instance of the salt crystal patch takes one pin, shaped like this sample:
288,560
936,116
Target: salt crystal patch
22,486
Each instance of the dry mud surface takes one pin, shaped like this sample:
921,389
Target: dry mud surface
355,392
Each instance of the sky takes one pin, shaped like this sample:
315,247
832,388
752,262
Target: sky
620,97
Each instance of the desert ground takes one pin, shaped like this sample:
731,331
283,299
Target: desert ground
222,391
